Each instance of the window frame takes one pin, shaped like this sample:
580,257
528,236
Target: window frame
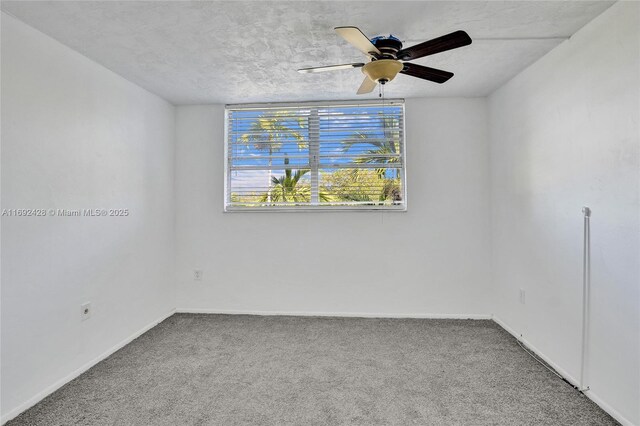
227,208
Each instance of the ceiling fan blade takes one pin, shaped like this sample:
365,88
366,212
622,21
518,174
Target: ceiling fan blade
354,36
330,68
426,73
367,86
446,42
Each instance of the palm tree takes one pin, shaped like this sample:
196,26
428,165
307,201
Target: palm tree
288,188
268,133
385,150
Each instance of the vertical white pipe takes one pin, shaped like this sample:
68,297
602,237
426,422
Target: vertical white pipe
586,284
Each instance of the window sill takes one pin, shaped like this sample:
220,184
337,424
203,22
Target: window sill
301,209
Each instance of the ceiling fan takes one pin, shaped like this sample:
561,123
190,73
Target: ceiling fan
387,57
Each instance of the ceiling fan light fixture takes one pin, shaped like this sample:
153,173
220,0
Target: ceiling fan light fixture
388,58
383,70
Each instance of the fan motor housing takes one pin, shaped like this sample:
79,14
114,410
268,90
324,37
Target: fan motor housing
387,45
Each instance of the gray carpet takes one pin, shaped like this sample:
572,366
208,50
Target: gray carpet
238,370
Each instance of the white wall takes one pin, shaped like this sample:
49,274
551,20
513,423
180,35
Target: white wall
75,135
564,134
433,259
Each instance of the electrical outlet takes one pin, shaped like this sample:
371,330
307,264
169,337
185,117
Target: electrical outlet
197,274
85,311
522,296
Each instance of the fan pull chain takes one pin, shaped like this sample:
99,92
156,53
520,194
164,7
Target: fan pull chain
384,124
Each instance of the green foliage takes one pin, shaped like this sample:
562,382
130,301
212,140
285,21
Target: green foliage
288,188
360,185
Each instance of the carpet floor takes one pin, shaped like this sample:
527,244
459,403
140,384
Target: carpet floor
251,370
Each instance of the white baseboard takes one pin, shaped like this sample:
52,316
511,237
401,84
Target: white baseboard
589,393
57,385
535,350
609,409
333,314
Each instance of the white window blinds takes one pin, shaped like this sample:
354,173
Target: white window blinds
315,156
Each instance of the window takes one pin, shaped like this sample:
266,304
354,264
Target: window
328,156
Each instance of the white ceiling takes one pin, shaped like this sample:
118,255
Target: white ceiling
243,51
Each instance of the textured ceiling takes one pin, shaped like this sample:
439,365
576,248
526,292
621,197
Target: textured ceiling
242,51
